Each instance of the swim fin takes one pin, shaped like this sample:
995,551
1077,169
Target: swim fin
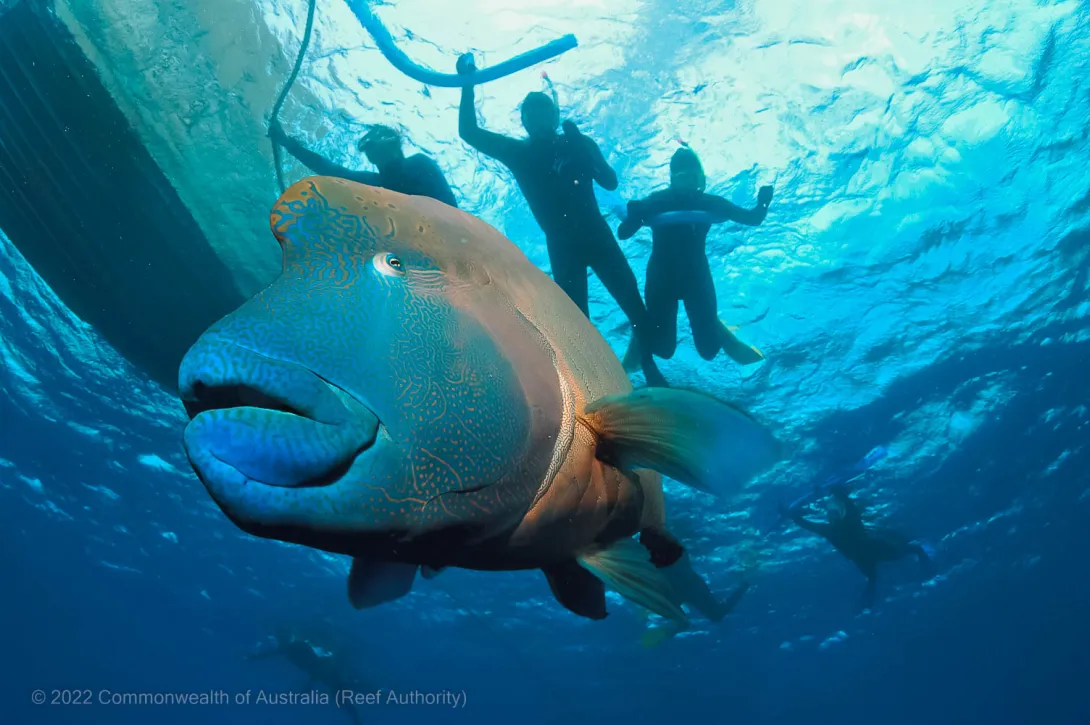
654,636
690,437
738,351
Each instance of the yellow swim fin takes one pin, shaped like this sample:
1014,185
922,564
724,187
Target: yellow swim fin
625,567
738,351
655,636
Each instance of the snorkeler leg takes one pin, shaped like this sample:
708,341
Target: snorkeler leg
869,592
691,589
609,263
735,597
569,272
701,308
924,555
710,335
662,305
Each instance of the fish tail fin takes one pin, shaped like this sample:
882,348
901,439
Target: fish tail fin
625,566
688,436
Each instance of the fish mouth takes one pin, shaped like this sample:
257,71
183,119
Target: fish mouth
257,419
203,397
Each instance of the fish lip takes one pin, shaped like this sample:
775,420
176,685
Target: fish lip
213,395
202,397
218,474
205,390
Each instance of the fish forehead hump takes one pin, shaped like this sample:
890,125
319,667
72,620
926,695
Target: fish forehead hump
480,262
471,251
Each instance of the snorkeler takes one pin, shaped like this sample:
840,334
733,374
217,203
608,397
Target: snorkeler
322,667
692,589
865,546
416,175
556,174
678,268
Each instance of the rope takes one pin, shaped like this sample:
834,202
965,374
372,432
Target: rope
287,87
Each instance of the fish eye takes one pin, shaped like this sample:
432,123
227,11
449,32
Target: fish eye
389,264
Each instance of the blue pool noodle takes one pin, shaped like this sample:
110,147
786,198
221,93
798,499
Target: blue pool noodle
399,60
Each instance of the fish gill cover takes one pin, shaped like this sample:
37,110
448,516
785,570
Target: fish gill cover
920,283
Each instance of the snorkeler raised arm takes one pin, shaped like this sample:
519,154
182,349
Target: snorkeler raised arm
416,175
504,149
556,174
865,546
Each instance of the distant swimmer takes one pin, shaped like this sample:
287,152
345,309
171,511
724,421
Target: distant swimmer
678,270
556,174
863,545
416,175
692,590
322,667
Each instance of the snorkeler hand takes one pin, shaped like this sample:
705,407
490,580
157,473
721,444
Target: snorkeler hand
465,64
582,146
764,196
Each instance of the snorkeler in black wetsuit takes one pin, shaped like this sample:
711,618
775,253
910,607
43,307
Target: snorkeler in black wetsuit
865,546
416,175
692,589
556,174
678,269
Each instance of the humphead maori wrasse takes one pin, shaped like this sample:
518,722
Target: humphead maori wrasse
413,392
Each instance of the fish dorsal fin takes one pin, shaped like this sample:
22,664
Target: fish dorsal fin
371,583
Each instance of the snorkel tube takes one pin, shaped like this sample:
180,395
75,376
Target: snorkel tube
838,479
399,60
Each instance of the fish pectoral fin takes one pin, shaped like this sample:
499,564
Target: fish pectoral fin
428,572
625,567
371,583
691,437
577,589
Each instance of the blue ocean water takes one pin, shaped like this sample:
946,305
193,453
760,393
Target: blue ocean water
921,283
